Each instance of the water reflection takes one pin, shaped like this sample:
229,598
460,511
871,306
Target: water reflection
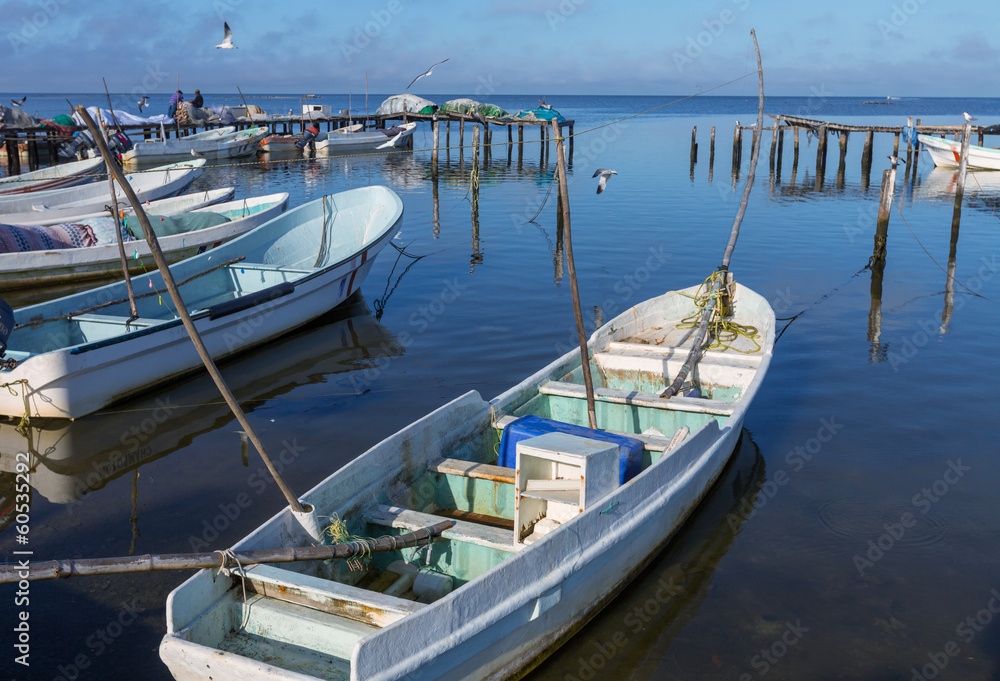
70,459
632,634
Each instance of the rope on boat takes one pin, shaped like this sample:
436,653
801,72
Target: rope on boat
25,423
712,295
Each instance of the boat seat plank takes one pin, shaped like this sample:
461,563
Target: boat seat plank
680,353
141,322
631,397
326,595
653,443
472,469
486,536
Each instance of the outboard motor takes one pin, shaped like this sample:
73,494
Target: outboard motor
81,140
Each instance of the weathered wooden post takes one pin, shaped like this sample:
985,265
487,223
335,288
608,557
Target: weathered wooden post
436,128
711,151
461,132
737,141
843,147
963,163
909,145
13,155
474,182
885,205
694,145
821,151
795,143
447,134
916,154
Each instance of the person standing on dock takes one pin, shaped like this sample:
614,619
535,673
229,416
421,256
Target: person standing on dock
198,100
175,99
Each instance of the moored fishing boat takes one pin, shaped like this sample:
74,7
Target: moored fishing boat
550,522
81,352
346,140
174,205
70,202
231,145
54,177
181,236
947,154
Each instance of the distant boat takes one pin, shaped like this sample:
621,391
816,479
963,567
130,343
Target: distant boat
155,183
344,139
54,177
229,145
80,353
189,233
947,154
277,144
544,535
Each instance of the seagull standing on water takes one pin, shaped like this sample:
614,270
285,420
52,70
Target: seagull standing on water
227,39
143,102
968,118
19,102
426,73
605,173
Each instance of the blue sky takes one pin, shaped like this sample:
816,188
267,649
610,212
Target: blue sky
545,47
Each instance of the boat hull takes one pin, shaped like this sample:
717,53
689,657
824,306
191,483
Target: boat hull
233,145
55,177
947,154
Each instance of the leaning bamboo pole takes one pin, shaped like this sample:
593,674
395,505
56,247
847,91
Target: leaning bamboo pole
62,569
718,282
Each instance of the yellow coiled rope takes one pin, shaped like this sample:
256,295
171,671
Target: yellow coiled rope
723,331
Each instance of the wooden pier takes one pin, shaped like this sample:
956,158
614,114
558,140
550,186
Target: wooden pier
41,143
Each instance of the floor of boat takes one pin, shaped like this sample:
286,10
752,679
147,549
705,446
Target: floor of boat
671,337
287,656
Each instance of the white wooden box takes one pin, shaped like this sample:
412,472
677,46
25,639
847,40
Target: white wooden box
566,471
320,110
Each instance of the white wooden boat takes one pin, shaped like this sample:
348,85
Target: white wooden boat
286,143
254,288
53,177
344,140
947,154
518,588
231,145
64,204
174,205
45,268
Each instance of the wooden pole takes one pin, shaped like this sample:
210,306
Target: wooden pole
781,149
774,146
461,133
694,145
13,155
963,164
795,146
116,216
843,148
711,151
736,149
909,146
720,281
821,151
182,311
82,567
885,199
435,126
866,153
581,333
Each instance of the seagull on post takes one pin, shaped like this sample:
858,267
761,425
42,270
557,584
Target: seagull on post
604,173
895,160
968,118
227,39
426,73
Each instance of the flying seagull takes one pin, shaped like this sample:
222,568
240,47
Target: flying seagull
19,102
143,102
969,118
605,173
227,39
894,160
196,154
392,142
426,73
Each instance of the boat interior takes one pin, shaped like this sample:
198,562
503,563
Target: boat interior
307,617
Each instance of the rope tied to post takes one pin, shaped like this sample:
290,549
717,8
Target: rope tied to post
723,331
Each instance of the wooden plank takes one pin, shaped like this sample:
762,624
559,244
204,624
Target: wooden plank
638,399
472,517
405,519
325,595
473,469
740,361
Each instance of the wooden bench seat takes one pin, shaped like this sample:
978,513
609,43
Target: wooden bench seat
472,469
464,531
328,596
631,397
139,323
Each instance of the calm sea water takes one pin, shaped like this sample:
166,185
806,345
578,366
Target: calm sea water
855,533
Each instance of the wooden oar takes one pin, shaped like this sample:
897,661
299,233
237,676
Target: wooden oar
720,282
61,569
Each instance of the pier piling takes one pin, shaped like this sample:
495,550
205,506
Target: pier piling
963,163
694,146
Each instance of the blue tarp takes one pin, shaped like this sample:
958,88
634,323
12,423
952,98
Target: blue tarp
532,426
